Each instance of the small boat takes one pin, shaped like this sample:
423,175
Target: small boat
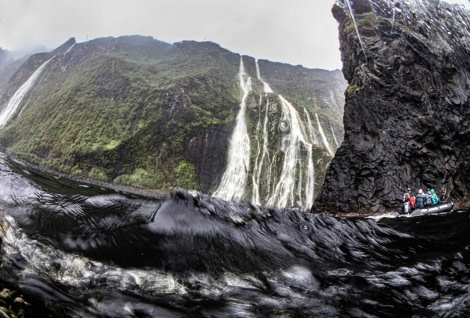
438,208
442,207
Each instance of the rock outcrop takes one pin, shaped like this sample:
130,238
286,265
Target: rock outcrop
407,108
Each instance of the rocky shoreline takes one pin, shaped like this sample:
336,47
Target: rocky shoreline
152,193
106,185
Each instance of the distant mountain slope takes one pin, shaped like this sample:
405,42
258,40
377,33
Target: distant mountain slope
137,111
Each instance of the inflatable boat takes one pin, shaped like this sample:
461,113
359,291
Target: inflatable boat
438,208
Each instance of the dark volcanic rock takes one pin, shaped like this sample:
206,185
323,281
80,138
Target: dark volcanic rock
209,153
407,109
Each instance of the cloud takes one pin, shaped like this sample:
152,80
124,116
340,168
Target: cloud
291,31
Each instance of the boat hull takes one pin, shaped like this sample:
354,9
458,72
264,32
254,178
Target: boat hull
441,207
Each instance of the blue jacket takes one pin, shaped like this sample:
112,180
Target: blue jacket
420,199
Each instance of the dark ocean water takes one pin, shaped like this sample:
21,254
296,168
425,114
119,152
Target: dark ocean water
83,251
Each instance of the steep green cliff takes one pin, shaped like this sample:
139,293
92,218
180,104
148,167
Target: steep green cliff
137,111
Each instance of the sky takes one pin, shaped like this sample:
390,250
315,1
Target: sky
298,32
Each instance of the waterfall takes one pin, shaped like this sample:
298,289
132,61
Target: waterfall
291,189
69,49
293,183
266,87
334,137
296,181
357,29
262,167
313,135
263,158
232,185
323,137
20,93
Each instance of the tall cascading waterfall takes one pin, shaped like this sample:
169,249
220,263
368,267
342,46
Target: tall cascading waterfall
20,93
232,185
284,177
262,165
295,186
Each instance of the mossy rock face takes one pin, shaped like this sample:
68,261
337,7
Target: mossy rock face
137,111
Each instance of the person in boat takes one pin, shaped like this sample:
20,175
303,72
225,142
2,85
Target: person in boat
412,201
428,198
435,198
406,201
410,198
443,194
407,195
420,199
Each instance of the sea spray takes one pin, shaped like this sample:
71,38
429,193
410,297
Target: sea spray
191,255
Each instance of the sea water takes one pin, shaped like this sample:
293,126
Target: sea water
79,250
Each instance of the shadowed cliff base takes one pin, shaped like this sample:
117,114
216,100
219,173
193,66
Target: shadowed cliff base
407,109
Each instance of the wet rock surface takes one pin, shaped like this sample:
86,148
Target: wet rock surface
407,104
13,305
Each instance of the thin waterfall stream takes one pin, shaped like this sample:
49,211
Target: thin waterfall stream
323,136
20,93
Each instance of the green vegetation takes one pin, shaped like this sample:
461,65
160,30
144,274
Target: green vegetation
352,89
125,110
186,176
98,174
364,21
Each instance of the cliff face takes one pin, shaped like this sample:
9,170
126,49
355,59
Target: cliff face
406,116
137,111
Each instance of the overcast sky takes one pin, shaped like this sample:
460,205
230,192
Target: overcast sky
291,31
